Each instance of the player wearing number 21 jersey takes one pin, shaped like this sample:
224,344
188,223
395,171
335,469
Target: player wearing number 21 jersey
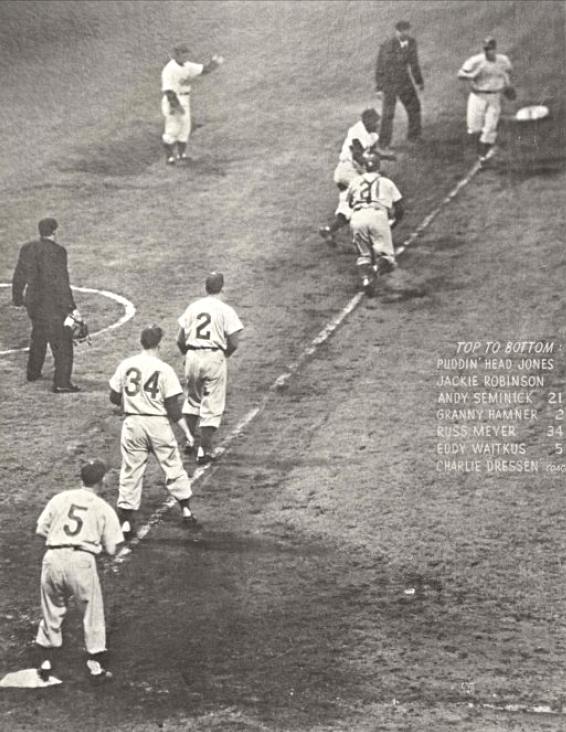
149,392
376,204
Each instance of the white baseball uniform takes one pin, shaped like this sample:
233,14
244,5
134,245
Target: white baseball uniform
371,197
77,525
489,79
347,168
206,323
177,78
145,382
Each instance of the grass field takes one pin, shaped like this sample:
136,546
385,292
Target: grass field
290,614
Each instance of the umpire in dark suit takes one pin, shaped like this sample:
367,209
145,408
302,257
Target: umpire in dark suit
41,283
396,74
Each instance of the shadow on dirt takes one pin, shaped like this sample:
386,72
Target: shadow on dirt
122,155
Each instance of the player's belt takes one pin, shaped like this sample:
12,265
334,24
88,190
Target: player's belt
142,414
183,94
487,91
370,207
74,547
203,348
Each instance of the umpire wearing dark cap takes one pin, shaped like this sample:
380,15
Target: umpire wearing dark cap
396,74
41,283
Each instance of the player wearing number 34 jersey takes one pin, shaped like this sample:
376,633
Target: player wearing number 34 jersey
376,205
149,392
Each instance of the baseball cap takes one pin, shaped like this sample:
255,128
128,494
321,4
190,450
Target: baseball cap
93,472
214,283
489,42
369,114
47,227
402,25
151,336
181,48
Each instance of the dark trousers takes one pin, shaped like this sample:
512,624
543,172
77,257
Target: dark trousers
410,100
50,330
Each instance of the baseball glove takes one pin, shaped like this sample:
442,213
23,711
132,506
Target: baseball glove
510,93
79,328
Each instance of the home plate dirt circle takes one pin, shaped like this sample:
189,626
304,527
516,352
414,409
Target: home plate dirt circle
128,314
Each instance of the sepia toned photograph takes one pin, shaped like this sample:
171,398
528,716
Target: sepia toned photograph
283,342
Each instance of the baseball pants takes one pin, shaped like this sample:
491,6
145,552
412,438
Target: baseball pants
371,233
410,100
142,435
177,125
345,172
206,375
482,115
50,330
66,573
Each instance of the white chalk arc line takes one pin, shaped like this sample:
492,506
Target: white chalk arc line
129,312
203,473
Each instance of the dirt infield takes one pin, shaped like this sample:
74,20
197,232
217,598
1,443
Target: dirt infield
341,581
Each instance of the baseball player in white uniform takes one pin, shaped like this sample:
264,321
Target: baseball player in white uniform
489,74
77,525
209,332
176,78
362,138
149,392
376,205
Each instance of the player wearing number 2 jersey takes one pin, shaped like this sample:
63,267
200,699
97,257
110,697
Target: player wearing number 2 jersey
149,392
208,335
77,526
376,206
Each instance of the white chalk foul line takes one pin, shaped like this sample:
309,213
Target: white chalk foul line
205,472
129,312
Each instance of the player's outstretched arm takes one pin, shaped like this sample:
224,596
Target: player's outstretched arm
213,64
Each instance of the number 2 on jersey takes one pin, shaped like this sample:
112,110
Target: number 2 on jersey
202,330
133,381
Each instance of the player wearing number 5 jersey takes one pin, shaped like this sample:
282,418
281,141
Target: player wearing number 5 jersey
77,525
149,392
208,335
376,205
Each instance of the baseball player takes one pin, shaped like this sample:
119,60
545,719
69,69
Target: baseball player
361,138
209,334
489,74
376,206
176,78
148,390
77,525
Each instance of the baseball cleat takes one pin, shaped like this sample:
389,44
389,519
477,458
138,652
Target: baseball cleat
171,160
190,522
128,530
45,670
69,389
97,672
203,458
